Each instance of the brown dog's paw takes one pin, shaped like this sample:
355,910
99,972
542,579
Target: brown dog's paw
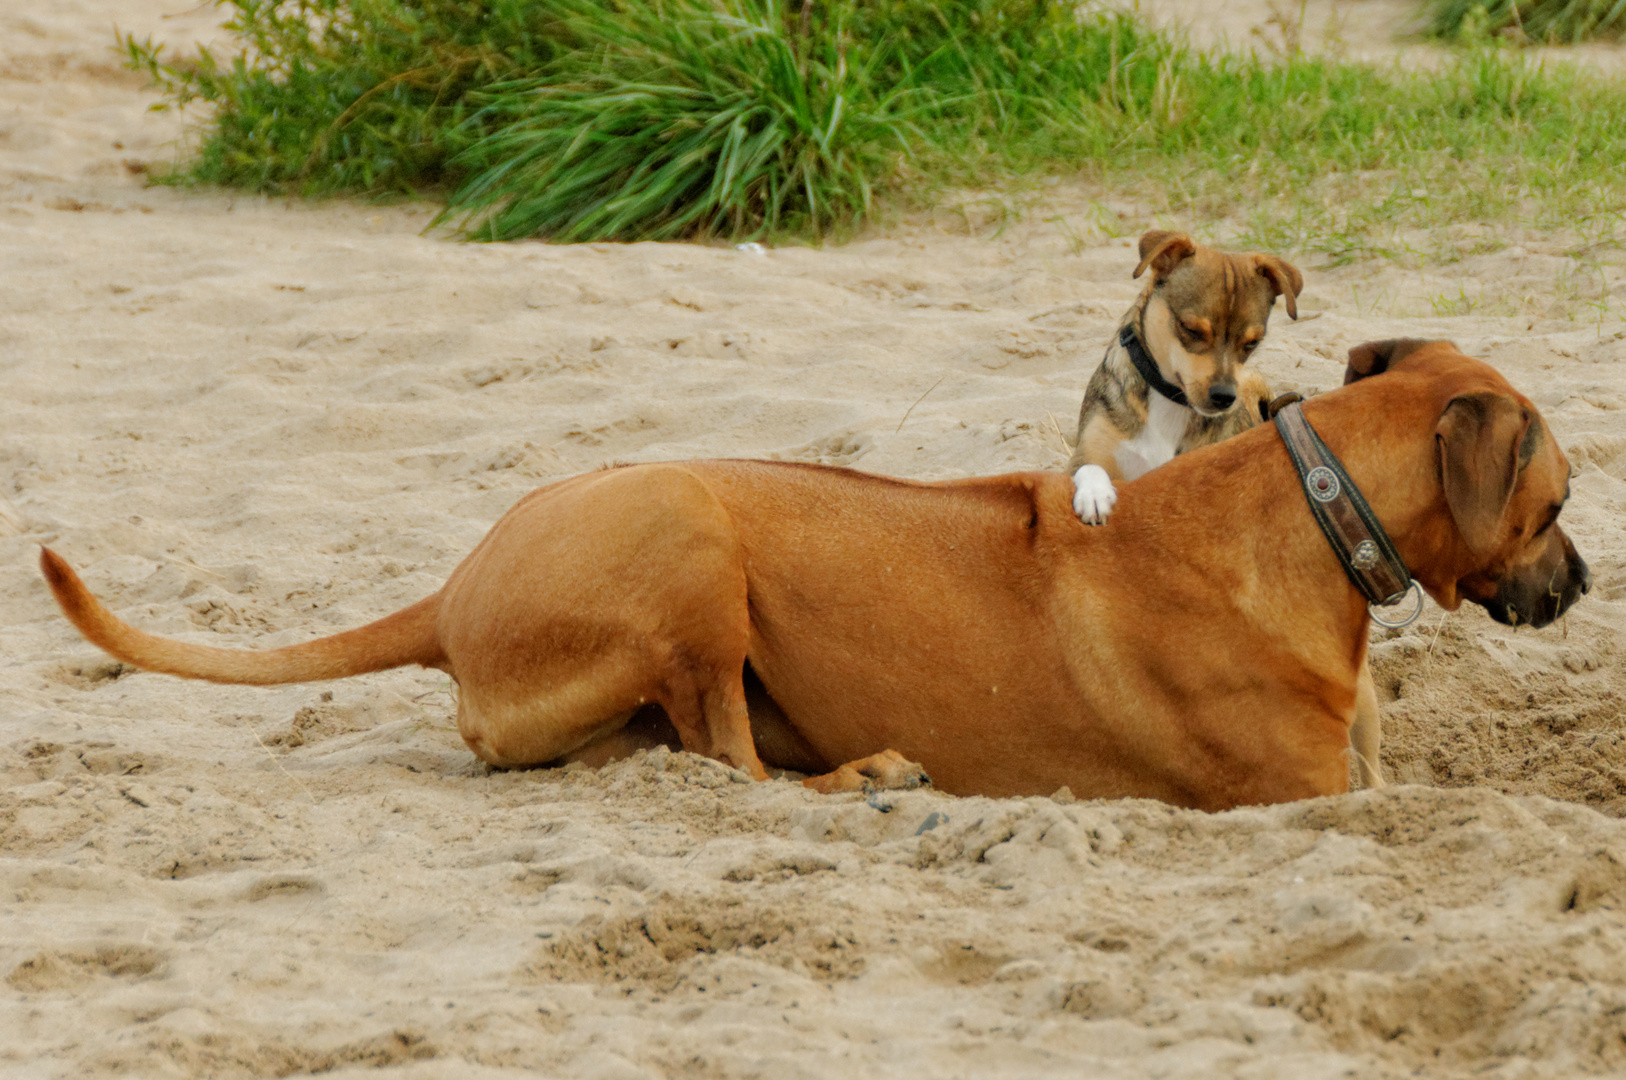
886,771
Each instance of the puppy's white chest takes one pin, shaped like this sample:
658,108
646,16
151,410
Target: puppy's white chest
1157,442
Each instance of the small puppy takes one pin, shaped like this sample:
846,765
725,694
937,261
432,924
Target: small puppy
1173,377
1173,380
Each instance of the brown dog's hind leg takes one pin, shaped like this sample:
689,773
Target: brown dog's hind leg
1366,733
711,719
591,599
886,771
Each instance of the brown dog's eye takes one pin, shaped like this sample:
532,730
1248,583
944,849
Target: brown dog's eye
1549,521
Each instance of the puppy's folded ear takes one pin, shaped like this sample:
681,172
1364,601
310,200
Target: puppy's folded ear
1285,278
1376,357
1163,251
1480,437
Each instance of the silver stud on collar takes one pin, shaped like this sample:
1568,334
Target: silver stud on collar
1366,555
1322,484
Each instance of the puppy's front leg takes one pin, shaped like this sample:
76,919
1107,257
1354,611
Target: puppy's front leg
1095,470
1093,494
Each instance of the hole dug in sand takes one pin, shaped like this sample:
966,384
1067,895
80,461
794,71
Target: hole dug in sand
48,760
1600,884
190,1043
284,886
328,719
656,946
69,969
88,674
1469,703
963,965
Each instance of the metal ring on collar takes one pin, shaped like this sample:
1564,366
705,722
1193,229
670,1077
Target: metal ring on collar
1416,611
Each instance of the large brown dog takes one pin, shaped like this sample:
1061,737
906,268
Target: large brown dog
1201,648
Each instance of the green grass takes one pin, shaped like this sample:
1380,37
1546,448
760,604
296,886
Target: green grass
631,119
345,96
683,121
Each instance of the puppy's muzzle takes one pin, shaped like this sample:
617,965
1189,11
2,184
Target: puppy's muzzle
1221,396
1540,598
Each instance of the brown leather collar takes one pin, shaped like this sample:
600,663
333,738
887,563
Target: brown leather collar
1357,538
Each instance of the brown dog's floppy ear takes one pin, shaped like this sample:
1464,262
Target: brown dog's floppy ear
1163,251
1375,357
1479,437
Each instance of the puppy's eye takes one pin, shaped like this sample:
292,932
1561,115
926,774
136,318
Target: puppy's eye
1249,346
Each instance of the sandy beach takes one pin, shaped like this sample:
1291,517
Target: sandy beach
251,421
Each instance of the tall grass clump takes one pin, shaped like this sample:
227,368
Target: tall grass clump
747,117
685,118
1552,22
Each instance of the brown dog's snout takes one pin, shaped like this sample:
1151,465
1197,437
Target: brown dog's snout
1580,573
1582,570
1222,395
1578,585
1538,596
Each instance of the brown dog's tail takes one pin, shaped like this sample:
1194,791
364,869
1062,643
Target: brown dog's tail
406,637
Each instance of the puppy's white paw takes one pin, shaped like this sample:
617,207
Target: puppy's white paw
1093,494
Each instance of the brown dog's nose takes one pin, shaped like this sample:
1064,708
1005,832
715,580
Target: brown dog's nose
1221,396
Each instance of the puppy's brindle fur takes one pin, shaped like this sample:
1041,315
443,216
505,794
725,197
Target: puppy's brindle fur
1201,315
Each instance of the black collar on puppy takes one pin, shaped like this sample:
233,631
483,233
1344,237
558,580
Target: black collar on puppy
1147,367
1364,549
